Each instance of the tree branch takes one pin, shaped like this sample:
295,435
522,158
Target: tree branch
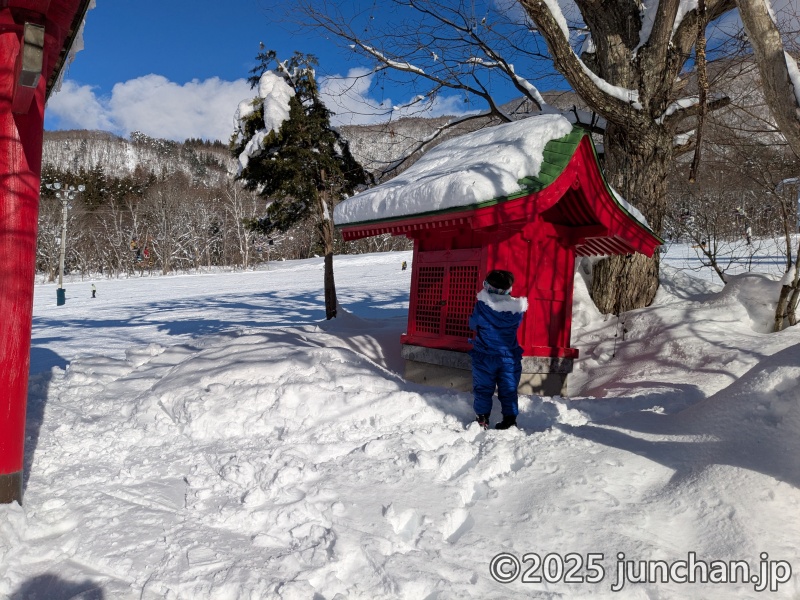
497,59
587,86
389,63
430,139
781,92
676,112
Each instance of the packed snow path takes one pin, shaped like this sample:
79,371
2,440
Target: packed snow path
210,436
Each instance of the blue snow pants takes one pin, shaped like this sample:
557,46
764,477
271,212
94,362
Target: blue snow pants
490,371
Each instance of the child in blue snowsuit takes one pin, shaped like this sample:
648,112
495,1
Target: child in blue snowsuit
496,354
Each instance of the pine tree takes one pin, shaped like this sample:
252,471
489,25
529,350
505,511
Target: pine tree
303,166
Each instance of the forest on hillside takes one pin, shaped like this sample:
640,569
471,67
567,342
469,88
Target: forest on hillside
158,206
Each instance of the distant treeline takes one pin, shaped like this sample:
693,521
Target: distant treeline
146,222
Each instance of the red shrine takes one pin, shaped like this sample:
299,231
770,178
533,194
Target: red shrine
564,212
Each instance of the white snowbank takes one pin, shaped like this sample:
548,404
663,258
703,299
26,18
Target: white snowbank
464,171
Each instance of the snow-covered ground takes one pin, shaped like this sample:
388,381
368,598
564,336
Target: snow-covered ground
211,436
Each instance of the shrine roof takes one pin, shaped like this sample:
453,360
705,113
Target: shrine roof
476,170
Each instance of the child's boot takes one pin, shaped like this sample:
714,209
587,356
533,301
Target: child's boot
483,421
507,422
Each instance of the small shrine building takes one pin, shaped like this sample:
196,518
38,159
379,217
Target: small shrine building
528,197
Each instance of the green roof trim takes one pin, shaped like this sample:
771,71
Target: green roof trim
556,156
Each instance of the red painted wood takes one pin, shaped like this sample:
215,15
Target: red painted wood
590,202
20,169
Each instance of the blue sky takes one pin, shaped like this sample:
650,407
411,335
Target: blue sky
177,68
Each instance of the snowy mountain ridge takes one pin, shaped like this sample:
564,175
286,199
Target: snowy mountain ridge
75,150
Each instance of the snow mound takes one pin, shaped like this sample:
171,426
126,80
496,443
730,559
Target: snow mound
269,449
676,285
754,423
757,295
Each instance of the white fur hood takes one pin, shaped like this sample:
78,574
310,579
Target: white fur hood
503,303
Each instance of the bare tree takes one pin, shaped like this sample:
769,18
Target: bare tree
631,70
49,239
119,230
440,46
241,206
203,225
714,222
786,308
167,231
631,73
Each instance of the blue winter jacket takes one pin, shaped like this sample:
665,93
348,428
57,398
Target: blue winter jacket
495,321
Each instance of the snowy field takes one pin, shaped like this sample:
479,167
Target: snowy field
212,437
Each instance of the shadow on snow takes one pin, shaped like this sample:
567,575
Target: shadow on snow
53,587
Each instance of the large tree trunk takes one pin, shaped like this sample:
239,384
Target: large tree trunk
639,137
791,312
787,302
330,287
780,309
636,167
622,283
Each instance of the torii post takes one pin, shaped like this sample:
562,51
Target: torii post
35,40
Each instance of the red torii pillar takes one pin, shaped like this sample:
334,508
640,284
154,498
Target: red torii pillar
34,36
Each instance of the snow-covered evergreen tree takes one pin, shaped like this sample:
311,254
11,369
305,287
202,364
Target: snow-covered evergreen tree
289,153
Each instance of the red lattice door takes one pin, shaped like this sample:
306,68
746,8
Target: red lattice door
429,309
443,298
460,294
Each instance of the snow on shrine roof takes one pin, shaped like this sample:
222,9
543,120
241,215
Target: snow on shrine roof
474,170
461,172
73,41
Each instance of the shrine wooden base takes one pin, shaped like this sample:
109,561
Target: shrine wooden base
541,376
11,488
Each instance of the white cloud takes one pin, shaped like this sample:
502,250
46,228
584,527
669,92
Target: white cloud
205,109
76,106
349,98
153,105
